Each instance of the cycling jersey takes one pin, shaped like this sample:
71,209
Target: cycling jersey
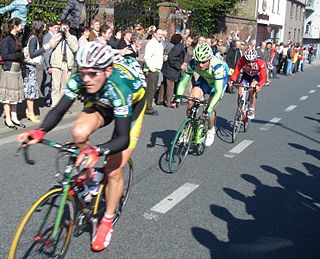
212,80
256,70
123,88
120,98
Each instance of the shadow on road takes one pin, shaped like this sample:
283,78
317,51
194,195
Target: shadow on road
285,218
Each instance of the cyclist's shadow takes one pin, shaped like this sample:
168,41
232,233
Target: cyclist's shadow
166,137
224,129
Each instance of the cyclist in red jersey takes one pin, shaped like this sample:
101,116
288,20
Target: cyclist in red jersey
254,72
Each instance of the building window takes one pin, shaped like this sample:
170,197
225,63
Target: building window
289,36
297,10
278,7
294,35
273,6
308,28
299,35
291,10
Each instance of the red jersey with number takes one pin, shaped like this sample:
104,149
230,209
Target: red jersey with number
257,68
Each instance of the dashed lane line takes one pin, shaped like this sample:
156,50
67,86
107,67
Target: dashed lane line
239,148
290,108
318,86
312,91
174,198
271,123
302,98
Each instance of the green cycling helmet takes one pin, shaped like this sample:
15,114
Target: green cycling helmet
202,53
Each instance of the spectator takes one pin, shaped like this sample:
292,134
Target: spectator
95,29
135,46
261,51
275,61
253,44
294,57
85,36
29,70
310,56
62,61
188,52
18,9
234,54
153,63
115,38
75,13
172,70
305,57
125,40
289,61
47,71
11,87
105,33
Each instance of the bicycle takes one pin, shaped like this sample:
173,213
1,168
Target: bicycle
192,132
241,118
46,229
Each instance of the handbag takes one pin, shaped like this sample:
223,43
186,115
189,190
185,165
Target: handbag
32,61
1,60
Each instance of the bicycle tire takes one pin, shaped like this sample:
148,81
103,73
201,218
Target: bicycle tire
180,148
246,120
100,203
40,245
236,125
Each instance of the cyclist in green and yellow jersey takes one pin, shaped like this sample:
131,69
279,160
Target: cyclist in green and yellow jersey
213,79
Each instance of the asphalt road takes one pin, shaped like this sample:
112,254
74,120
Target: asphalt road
256,198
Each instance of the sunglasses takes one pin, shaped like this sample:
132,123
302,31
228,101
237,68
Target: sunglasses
202,62
91,74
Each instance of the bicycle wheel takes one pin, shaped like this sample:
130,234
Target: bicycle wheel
181,145
100,202
237,122
33,238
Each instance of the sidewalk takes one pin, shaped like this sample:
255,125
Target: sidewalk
5,132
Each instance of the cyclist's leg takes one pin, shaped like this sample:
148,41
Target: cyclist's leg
115,167
89,120
197,91
253,94
117,162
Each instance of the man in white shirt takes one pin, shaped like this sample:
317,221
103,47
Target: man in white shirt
153,59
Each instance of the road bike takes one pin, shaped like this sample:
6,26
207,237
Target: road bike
46,229
190,135
241,119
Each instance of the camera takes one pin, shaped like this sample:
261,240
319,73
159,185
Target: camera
63,31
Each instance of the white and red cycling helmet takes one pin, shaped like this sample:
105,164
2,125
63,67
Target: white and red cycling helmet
250,54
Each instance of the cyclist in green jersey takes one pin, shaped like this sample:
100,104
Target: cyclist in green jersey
112,90
213,79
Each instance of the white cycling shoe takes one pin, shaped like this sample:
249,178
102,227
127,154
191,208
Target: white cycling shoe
210,137
251,114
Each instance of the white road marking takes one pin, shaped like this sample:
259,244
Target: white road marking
271,123
318,86
290,108
239,148
312,91
303,98
174,198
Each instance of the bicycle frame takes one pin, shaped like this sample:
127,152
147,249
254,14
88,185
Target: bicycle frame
66,182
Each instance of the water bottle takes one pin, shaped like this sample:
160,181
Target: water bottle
199,132
98,175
